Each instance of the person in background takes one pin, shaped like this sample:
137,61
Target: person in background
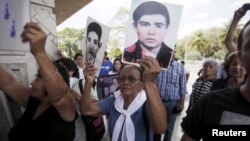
134,111
151,21
222,74
80,64
72,69
106,68
59,54
115,86
172,86
186,71
204,83
49,108
73,72
228,106
231,37
107,65
117,66
234,74
235,71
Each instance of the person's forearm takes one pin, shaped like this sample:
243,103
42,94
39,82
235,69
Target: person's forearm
78,98
11,87
155,108
182,99
185,137
6,78
46,67
86,98
231,46
54,83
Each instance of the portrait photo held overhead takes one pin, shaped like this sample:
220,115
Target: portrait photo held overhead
152,31
95,42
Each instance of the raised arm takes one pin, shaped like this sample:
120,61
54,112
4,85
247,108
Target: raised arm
155,108
55,86
229,42
11,87
87,107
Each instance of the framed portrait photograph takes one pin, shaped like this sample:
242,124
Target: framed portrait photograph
153,28
95,42
109,84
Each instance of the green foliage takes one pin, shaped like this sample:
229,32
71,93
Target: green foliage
208,43
215,43
193,55
200,43
224,31
115,52
219,55
181,49
118,31
114,45
67,41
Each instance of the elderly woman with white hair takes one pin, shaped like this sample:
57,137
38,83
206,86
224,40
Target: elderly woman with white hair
204,83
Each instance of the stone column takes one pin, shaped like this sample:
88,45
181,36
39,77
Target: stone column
42,12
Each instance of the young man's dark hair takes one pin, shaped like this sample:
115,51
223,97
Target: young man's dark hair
183,62
95,27
69,65
78,54
150,8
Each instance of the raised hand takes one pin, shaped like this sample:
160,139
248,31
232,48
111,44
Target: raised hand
239,13
151,68
36,36
89,72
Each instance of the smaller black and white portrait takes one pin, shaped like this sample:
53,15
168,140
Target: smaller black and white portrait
95,42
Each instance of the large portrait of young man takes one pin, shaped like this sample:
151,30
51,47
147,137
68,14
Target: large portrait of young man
152,31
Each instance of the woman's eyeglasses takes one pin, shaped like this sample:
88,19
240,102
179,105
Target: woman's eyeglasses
130,79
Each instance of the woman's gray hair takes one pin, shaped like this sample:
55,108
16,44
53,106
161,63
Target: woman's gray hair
214,64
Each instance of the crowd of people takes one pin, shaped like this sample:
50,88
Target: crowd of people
145,99
223,101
